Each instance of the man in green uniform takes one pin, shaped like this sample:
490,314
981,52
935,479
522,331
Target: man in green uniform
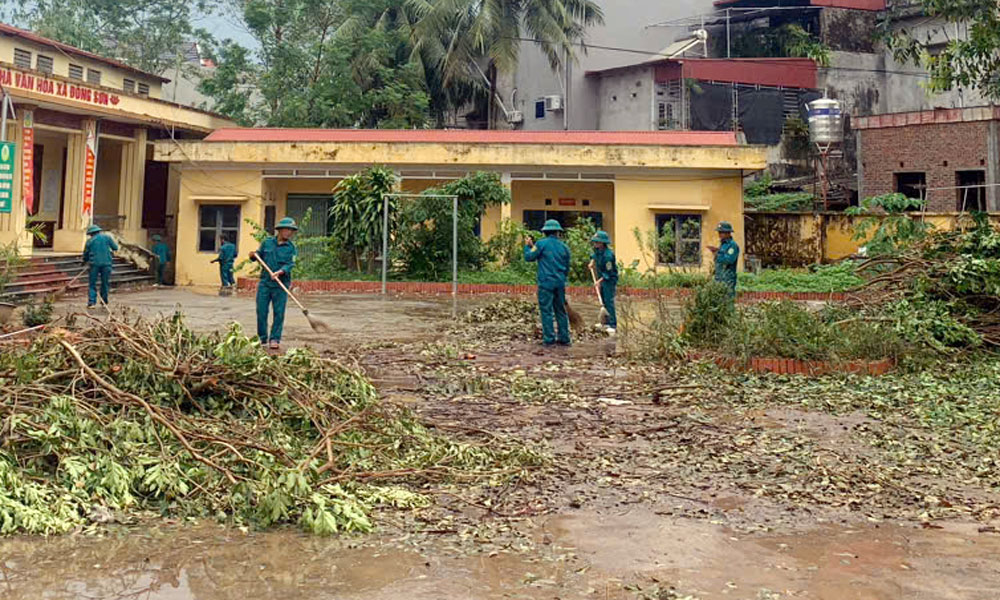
162,252
605,268
226,259
726,257
552,256
98,255
278,253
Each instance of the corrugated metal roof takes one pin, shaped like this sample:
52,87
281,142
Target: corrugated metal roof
44,41
437,136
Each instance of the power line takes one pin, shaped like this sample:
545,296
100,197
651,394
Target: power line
762,61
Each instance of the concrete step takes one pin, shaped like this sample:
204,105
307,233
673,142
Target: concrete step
79,286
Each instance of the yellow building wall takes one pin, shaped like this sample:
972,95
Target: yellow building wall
199,187
111,77
107,182
715,197
531,195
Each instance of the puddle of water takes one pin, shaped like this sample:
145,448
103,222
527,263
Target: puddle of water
210,563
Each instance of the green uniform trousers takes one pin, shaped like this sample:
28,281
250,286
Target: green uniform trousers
552,305
104,274
269,295
608,291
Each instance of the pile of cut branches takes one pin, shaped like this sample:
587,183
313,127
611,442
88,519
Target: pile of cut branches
129,416
958,270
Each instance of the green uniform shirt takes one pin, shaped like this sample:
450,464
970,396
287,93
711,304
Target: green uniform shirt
227,254
725,263
278,257
552,257
605,264
99,250
162,252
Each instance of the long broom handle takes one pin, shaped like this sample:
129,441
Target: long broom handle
597,288
281,283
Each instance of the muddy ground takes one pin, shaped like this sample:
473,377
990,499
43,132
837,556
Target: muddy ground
659,482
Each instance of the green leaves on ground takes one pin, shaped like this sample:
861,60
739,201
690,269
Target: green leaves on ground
126,418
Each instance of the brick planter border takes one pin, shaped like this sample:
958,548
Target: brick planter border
791,366
477,289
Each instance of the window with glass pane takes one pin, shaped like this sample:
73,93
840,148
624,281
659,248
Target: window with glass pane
679,239
214,221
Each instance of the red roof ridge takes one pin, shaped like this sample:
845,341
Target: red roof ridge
474,136
31,36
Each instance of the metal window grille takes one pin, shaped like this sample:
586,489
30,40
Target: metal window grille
143,89
128,85
76,72
93,77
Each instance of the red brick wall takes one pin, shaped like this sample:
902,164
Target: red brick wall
937,149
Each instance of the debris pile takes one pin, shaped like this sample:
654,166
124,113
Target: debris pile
953,274
125,417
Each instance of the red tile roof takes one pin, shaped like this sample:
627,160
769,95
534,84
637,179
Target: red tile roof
44,41
466,136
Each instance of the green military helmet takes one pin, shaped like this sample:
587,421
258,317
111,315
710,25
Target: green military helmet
287,223
93,229
157,238
601,237
551,225
725,227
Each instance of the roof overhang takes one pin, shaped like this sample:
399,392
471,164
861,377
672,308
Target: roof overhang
493,155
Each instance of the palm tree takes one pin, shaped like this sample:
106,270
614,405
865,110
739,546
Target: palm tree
459,34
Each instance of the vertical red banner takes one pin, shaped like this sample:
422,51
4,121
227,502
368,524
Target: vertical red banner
28,161
90,166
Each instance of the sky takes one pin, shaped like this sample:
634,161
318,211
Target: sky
225,25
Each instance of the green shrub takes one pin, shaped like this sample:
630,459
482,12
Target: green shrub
820,278
792,201
709,315
37,314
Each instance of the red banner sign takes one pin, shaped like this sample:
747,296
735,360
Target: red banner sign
90,166
28,161
50,87
567,202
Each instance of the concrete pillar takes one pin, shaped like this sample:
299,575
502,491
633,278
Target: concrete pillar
133,178
12,224
72,236
860,159
993,166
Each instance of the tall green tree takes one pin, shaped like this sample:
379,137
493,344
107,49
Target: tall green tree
145,34
464,36
966,61
322,63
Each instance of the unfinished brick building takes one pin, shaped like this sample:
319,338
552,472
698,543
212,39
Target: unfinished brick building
948,157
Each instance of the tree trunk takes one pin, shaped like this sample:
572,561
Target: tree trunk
492,111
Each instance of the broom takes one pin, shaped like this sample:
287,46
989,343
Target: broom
56,295
317,325
575,320
600,299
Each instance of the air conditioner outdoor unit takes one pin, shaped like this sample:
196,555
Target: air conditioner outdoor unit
515,117
553,103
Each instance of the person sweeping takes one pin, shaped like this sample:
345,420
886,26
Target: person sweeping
98,255
277,256
226,259
162,252
604,266
726,257
553,258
